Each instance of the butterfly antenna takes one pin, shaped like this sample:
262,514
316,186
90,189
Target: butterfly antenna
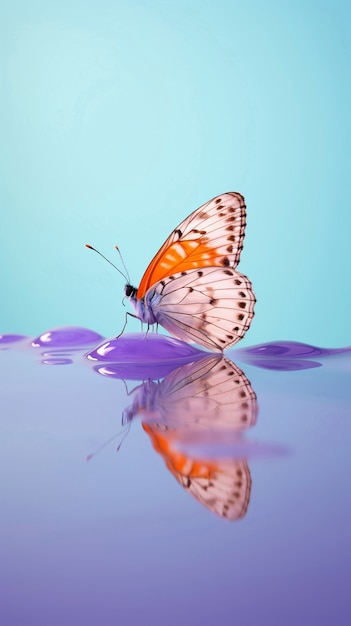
123,263
126,277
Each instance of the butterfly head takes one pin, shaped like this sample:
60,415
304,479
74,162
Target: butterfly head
130,291
142,309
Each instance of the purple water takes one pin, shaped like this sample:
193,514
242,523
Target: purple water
227,502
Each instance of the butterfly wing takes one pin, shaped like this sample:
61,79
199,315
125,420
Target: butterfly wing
225,490
210,394
212,236
212,307
223,487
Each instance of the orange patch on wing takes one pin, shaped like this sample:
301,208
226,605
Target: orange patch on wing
180,256
177,462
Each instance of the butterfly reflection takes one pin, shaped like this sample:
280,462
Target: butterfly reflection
195,418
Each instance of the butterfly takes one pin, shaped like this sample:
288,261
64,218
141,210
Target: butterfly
192,287
194,417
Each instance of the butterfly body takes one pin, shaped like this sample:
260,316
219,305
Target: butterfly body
143,309
191,287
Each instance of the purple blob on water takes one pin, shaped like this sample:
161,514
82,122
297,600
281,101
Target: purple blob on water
286,365
137,371
290,349
141,348
137,356
286,355
5,340
67,336
62,343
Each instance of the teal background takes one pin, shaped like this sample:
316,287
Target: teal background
120,118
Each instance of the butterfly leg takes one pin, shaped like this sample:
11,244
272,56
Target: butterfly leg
147,331
125,323
148,328
153,327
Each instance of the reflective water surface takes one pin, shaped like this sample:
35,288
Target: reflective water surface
149,482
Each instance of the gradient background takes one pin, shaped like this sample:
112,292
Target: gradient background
120,118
